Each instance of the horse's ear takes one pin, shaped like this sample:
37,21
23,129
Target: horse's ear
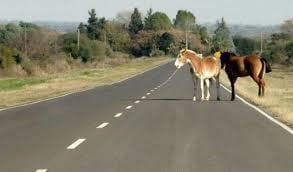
218,54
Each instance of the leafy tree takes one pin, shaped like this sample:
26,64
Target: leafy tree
82,28
143,43
147,19
135,24
185,20
92,27
158,21
118,37
244,45
6,58
289,50
165,42
222,39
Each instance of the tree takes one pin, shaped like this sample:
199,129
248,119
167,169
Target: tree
135,24
165,42
244,45
82,28
158,21
92,27
185,20
147,19
222,40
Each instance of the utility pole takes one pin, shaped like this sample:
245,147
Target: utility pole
25,40
261,43
78,37
186,40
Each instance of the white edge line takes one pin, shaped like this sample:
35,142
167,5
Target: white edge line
87,89
103,125
128,107
41,170
118,115
284,126
76,143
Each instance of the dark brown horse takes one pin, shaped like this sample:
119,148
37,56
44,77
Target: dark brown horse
241,66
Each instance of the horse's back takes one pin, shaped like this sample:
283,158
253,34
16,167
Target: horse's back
211,65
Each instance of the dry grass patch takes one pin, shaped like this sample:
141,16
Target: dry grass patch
278,96
15,91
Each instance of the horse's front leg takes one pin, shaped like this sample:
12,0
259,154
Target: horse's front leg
207,81
202,88
194,80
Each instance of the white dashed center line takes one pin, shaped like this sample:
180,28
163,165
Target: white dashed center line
103,125
156,88
148,93
152,90
76,143
137,101
128,107
143,97
118,115
41,170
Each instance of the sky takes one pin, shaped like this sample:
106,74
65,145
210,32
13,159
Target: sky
263,12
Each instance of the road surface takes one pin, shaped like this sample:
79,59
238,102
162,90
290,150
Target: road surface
137,126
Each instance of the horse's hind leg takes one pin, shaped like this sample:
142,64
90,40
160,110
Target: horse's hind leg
263,84
202,88
232,82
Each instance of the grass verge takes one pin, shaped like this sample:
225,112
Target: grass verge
278,98
16,91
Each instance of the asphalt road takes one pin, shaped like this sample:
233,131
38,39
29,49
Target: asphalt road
165,131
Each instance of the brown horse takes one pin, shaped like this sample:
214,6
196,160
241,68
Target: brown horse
251,65
201,68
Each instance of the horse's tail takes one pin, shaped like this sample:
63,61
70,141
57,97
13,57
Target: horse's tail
268,68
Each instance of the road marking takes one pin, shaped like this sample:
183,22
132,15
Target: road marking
103,125
262,112
128,107
156,88
143,97
118,115
137,101
41,170
76,143
148,93
152,90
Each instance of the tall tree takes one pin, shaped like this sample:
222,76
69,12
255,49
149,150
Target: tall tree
222,39
185,20
147,19
135,24
92,27
82,28
159,21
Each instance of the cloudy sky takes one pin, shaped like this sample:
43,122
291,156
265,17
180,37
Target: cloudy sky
234,11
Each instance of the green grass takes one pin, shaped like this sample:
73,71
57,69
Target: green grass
19,83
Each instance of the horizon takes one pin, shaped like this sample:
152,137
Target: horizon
206,12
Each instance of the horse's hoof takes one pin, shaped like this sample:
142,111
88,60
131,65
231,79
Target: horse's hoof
194,99
207,99
218,99
202,99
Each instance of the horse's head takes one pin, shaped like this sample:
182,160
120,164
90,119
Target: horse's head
224,56
181,58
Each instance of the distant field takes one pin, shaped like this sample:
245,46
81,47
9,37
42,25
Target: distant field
15,91
279,92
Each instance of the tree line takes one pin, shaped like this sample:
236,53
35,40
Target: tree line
30,49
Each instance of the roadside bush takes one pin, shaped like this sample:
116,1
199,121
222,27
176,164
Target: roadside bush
6,58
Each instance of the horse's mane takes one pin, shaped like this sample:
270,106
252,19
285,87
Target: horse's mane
229,53
192,52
